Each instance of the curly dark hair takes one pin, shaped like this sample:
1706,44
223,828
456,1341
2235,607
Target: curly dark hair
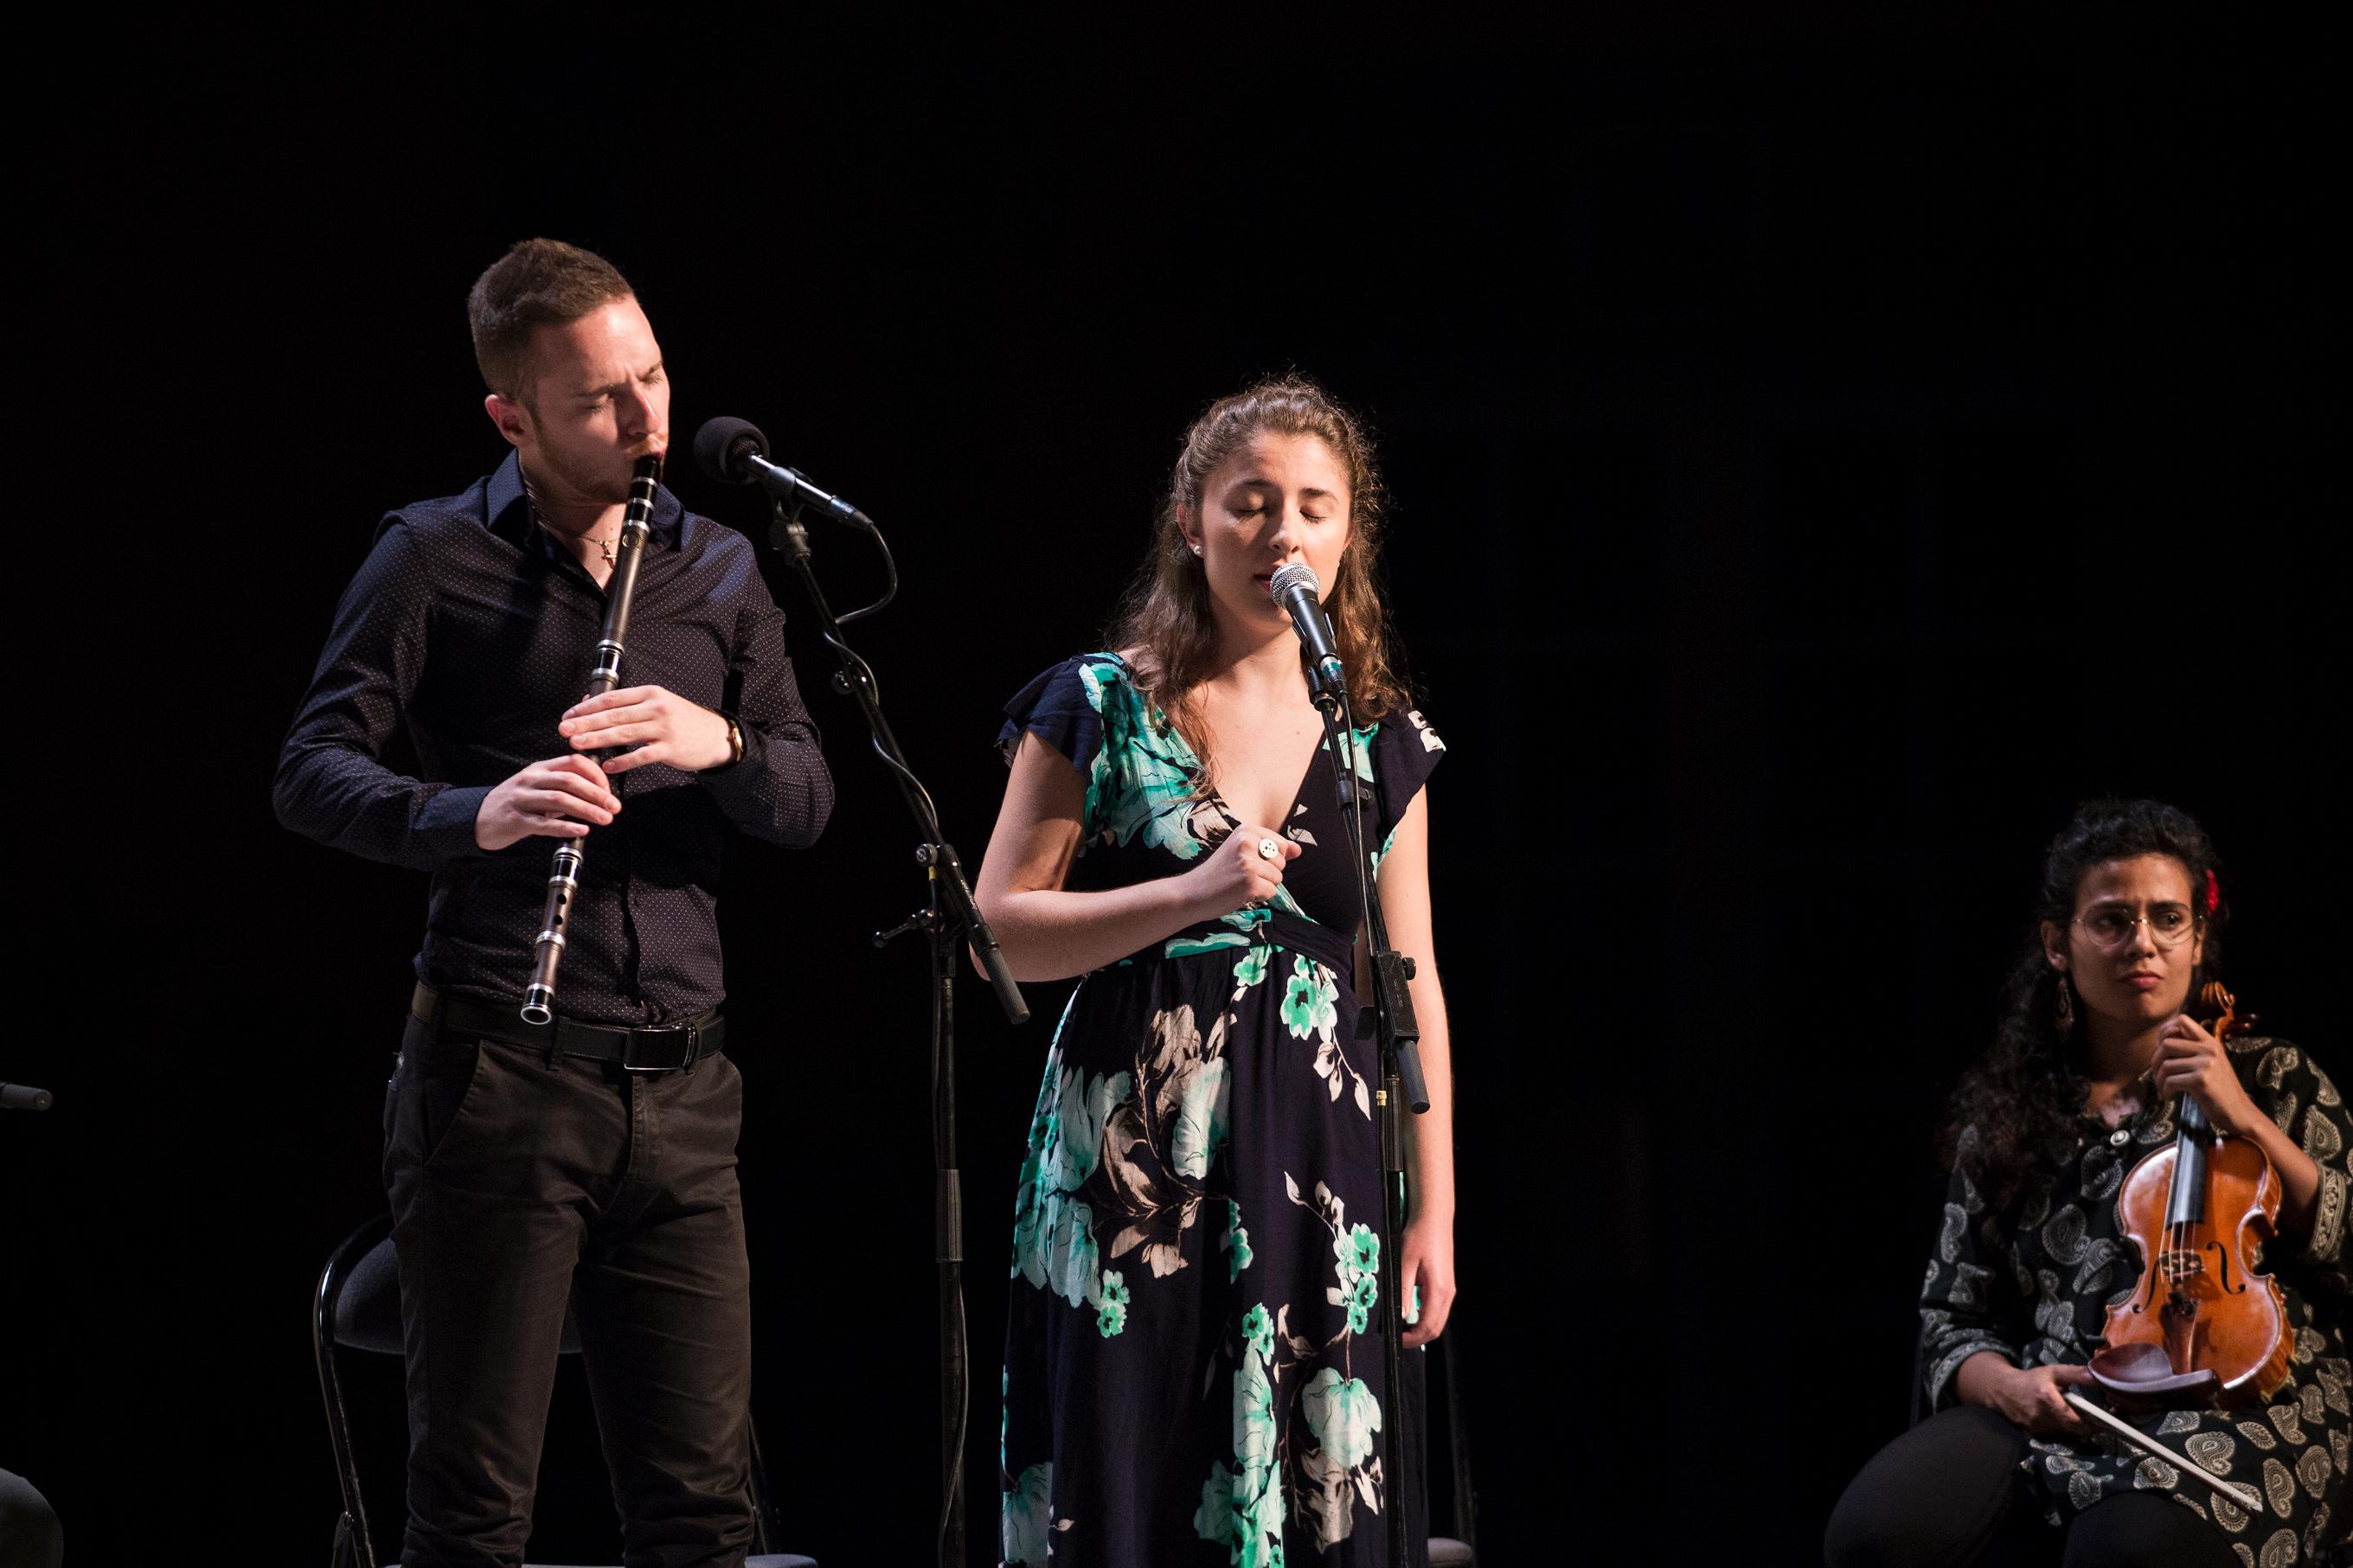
2025,1095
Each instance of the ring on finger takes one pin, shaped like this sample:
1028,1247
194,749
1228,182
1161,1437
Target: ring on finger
1269,848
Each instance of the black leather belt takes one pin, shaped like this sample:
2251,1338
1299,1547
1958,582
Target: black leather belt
657,1048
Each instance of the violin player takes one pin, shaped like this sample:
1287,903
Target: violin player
2091,1051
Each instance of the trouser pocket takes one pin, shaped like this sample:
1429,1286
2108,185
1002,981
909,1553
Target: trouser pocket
432,1096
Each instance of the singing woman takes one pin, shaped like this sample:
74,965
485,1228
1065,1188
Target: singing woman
1193,1361
2093,1047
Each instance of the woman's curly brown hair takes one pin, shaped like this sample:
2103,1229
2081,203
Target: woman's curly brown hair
1164,617
2026,1094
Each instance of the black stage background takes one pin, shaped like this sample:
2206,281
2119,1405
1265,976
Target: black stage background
1821,453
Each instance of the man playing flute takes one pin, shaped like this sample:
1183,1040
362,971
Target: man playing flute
589,1164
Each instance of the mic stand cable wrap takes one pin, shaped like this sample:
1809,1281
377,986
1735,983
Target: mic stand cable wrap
949,921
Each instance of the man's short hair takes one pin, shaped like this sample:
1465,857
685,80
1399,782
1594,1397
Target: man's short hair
539,282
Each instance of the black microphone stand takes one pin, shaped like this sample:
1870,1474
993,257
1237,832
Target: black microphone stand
948,919
1401,1087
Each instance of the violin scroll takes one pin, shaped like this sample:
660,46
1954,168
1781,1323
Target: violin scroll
2218,1011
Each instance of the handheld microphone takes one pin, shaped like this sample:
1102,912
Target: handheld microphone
1296,590
733,452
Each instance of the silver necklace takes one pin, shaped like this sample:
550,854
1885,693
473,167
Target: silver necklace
530,500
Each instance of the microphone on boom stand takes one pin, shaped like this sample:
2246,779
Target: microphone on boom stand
1390,1018
1296,590
733,452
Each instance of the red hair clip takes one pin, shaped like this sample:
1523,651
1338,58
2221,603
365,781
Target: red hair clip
2214,891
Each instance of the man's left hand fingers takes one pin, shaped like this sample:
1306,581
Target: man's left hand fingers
619,697
604,700
641,757
593,724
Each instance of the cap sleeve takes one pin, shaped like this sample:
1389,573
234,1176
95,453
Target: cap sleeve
1063,708
1404,751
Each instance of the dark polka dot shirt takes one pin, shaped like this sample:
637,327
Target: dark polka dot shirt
466,635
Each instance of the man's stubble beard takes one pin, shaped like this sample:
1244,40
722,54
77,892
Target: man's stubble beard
579,480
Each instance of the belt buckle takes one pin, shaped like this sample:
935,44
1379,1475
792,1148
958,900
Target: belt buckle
632,1062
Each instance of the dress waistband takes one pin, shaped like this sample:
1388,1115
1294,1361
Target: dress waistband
1278,928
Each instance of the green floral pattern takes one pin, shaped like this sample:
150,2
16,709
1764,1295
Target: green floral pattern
1203,1129
1359,1251
1251,969
1311,1012
1236,1243
1110,1315
1307,1003
1143,778
1053,1229
1344,1415
1257,1332
1027,1514
1254,1508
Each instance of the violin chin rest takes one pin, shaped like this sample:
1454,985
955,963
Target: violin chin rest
2141,1374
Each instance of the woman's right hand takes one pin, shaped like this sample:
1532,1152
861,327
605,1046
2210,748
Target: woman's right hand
2034,1398
1235,874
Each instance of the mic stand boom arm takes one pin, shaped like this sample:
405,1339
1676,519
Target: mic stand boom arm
855,678
948,919
1402,1086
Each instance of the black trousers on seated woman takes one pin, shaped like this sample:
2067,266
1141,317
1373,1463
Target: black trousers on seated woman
1949,1493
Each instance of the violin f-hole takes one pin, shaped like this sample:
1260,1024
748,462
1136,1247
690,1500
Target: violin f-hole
2222,1269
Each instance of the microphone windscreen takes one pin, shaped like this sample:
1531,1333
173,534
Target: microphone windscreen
1295,575
720,446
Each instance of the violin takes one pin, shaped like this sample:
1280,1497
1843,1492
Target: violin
2202,1327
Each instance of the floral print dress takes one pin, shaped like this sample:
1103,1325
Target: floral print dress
2035,1284
1193,1362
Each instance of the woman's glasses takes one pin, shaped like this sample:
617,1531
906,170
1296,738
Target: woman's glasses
2111,925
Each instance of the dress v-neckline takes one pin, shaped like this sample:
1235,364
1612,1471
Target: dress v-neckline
1292,808
1298,802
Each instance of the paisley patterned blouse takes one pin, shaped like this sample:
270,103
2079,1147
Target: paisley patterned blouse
2035,1283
